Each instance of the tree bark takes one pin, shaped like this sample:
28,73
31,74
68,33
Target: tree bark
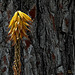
52,48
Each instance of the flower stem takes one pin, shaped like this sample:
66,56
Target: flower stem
17,62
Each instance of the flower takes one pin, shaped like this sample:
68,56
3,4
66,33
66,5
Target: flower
19,26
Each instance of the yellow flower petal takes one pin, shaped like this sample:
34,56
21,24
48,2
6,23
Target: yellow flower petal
11,23
11,30
11,37
20,13
24,34
26,24
14,30
19,23
17,35
18,19
21,35
14,18
24,16
25,27
27,17
23,31
16,24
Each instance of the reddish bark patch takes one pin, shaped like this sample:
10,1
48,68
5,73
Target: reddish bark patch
32,12
4,69
38,62
52,19
60,73
60,6
53,56
4,59
49,51
27,43
66,21
53,23
50,16
25,56
8,22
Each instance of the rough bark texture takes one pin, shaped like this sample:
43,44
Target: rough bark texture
52,48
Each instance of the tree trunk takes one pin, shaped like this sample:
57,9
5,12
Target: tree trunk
52,48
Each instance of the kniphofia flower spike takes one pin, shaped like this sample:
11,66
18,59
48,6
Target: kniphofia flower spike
19,26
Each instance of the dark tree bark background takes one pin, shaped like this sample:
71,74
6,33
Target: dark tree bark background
52,48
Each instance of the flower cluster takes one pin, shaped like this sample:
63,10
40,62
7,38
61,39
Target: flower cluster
19,26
